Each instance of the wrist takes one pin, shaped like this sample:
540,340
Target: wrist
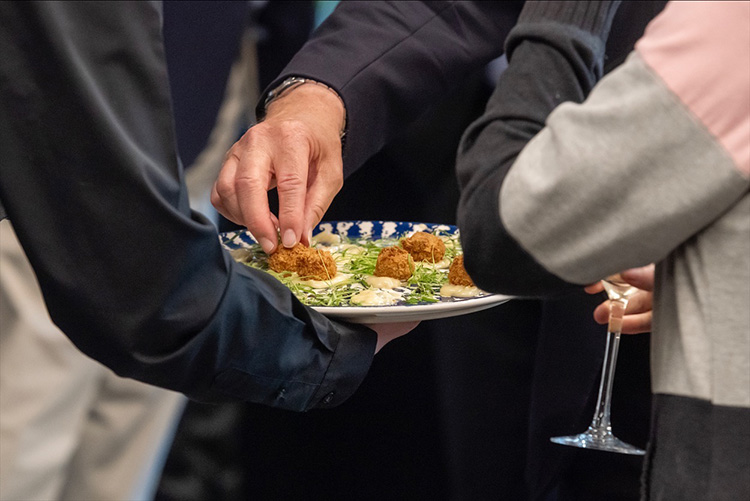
310,88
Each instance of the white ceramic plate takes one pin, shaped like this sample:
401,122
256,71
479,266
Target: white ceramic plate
411,313
445,307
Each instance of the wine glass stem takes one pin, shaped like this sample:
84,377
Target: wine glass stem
601,421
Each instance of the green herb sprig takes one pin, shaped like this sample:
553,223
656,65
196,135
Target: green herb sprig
422,287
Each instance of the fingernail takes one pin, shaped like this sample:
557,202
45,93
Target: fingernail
289,238
266,245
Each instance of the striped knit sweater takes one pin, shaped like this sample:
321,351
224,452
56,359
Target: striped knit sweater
654,166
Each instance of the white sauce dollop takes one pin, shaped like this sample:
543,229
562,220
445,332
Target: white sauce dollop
443,264
350,249
375,297
382,282
324,284
240,255
450,290
326,238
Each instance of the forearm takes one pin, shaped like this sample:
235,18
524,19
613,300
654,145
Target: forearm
390,61
93,185
649,161
556,55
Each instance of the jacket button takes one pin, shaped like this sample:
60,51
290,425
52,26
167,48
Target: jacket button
327,399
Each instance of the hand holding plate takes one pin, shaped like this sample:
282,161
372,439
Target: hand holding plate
388,332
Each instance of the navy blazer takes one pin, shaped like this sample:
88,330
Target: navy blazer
91,180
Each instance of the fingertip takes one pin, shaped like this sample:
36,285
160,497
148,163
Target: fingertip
601,313
267,245
289,238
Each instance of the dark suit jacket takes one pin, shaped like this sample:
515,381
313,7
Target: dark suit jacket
92,183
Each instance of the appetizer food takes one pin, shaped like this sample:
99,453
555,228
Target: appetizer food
309,263
286,259
406,269
457,273
394,262
424,247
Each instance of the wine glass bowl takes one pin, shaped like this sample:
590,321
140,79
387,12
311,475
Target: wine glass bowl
599,434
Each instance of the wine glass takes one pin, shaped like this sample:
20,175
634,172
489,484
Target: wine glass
599,434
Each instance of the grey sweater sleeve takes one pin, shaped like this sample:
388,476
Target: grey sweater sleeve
617,182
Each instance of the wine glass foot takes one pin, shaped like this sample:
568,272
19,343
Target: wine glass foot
600,441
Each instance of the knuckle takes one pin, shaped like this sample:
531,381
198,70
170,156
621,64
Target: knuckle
253,223
216,200
245,183
290,179
224,188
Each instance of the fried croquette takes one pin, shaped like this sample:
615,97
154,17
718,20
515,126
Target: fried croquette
424,247
317,264
285,259
394,262
457,273
306,262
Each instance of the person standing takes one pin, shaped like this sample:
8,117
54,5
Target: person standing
654,166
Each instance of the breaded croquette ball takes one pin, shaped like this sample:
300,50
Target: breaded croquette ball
317,264
394,262
308,263
424,247
457,273
285,259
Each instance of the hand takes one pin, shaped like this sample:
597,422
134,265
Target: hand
297,148
388,332
639,313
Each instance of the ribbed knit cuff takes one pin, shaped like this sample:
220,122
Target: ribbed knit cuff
592,17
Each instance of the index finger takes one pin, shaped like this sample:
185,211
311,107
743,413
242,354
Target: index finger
251,184
292,168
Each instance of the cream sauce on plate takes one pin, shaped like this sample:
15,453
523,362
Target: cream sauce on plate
375,297
382,282
459,291
324,284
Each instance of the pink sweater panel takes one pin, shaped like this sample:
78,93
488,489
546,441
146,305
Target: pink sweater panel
691,46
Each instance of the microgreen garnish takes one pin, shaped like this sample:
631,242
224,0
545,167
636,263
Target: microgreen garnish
357,258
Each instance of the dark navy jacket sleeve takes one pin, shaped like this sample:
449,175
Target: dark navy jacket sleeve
90,178
391,61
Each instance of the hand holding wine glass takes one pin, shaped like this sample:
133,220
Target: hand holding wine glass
639,311
599,434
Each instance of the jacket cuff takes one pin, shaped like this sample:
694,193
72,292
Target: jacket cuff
349,364
594,18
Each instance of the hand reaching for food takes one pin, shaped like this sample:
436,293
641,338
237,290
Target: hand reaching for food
297,149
